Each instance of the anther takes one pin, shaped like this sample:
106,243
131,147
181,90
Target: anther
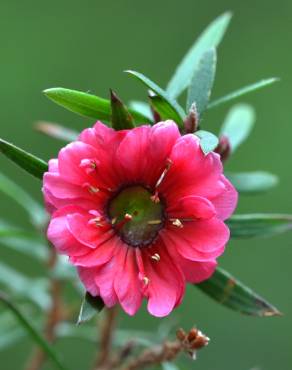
127,218
89,165
93,189
155,257
177,223
146,280
155,197
154,222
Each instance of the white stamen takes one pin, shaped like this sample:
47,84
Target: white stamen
146,280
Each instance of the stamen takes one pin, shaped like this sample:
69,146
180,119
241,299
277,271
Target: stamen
146,280
89,165
162,176
93,190
154,222
155,197
176,222
156,257
127,218
114,220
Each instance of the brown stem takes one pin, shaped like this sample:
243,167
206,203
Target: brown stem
106,337
54,315
168,351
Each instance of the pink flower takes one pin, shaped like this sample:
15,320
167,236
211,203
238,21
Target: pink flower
139,212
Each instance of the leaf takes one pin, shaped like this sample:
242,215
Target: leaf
86,104
177,112
238,124
90,306
243,91
13,333
231,293
8,230
210,38
164,110
56,131
28,162
121,118
141,107
36,213
202,82
208,141
34,333
36,290
253,182
259,225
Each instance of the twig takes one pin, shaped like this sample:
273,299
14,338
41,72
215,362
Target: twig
53,316
106,337
168,351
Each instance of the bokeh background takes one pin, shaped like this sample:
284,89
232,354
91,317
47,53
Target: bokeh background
86,45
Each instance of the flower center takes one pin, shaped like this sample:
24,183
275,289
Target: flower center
135,216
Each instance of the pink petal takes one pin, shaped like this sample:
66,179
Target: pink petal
226,202
193,207
166,283
87,276
70,158
127,284
200,240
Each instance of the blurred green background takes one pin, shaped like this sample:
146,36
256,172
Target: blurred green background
86,45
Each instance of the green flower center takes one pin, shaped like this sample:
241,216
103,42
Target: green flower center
135,216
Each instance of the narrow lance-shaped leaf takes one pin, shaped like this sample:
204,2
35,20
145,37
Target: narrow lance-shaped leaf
161,107
35,211
243,91
232,293
210,38
177,113
34,333
27,161
121,118
258,225
253,182
87,105
90,306
208,141
199,91
56,131
238,124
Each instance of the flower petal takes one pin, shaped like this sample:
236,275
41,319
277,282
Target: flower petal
87,276
127,284
226,202
192,207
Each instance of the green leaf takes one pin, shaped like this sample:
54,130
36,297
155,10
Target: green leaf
142,108
13,333
8,230
36,213
210,38
202,82
34,333
243,91
238,124
253,182
86,104
231,293
177,112
259,225
36,290
208,141
164,110
121,118
90,306
56,131
28,162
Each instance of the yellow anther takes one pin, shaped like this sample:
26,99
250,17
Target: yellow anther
146,280
114,220
154,222
128,217
156,257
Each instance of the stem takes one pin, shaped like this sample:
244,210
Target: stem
106,337
53,316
